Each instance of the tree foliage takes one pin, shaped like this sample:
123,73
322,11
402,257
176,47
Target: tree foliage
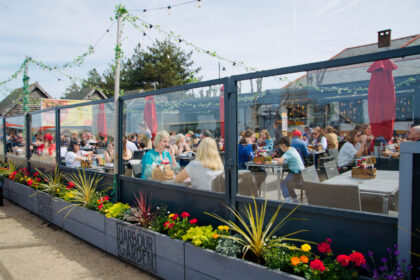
162,65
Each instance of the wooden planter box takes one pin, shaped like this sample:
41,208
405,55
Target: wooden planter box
208,264
151,251
157,253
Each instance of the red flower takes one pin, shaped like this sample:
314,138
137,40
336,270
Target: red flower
70,185
174,217
324,247
168,225
36,174
357,258
317,265
185,215
193,221
38,179
100,206
328,240
105,198
343,260
29,182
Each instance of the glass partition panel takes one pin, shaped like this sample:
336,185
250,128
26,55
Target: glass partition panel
328,137
164,134
87,134
1,138
15,136
43,147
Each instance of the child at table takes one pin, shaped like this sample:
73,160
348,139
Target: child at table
295,165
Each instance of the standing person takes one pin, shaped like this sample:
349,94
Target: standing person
265,141
332,140
295,165
299,145
159,153
348,151
245,148
206,166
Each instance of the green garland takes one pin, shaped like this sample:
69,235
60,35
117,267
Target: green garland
14,75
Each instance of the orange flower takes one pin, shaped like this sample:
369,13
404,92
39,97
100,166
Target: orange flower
215,235
304,259
295,261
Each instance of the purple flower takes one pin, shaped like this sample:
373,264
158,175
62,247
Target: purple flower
383,260
389,250
370,253
396,253
409,267
382,268
396,246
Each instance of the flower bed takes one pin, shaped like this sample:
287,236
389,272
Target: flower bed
171,255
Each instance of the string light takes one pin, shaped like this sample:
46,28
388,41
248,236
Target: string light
169,7
199,4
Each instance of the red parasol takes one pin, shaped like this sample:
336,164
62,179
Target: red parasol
13,125
101,122
222,111
149,115
381,98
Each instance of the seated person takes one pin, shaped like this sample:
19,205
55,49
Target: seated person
48,147
74,156
246,148
265,141
348,152
180,146
206,166
299,145
109,154
295,165
158,154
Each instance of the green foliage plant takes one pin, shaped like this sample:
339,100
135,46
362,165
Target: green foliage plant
254,232
204,237
117,210
229,247
53,183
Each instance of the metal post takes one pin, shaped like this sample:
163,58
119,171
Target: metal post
116,108
25,87
57,137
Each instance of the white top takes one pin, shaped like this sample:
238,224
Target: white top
71,159
131,146
346,155
201,177
323,143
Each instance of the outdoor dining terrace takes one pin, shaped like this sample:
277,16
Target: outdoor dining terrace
357,213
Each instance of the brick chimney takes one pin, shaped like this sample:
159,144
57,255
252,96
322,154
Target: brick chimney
384,38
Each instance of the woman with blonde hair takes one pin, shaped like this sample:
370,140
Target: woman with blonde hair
265,140
206,166
180,146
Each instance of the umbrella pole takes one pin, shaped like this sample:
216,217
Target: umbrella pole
116,108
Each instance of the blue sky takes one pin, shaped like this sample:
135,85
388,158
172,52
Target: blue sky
263,34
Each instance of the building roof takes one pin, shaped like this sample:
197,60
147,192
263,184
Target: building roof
10,101
85,94
358,72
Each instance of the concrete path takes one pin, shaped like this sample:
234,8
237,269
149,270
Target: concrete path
31,248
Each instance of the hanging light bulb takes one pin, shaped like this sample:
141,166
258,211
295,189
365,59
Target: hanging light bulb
199,4
180,40
144,33
169,10
144,10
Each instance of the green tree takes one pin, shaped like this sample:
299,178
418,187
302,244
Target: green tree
162,65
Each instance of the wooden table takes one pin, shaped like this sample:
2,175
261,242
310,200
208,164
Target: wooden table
385,184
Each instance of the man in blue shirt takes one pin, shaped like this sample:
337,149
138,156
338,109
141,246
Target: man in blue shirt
295,164
299,145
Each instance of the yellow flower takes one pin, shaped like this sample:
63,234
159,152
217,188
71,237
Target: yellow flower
305,247
71,195
58,190
223,228
304,259
171,215
215,235
295,261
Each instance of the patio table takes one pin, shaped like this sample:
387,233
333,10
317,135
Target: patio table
385,184
279,169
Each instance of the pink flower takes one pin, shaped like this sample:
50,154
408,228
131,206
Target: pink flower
343,260
357,258
328,240
193,221
100,206
317,265
185,215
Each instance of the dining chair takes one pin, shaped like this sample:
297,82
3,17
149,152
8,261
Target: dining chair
335,196
331,169
247,184
333,153
309,174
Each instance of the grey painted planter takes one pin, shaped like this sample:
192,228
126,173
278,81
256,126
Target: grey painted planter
149,250
157,253
21,195
207,264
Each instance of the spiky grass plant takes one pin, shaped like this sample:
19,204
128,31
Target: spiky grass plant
53,183
143,212
7,168
254,232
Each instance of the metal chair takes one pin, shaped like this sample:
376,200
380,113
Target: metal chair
335,196
331,169
333,153
247,184
309,174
